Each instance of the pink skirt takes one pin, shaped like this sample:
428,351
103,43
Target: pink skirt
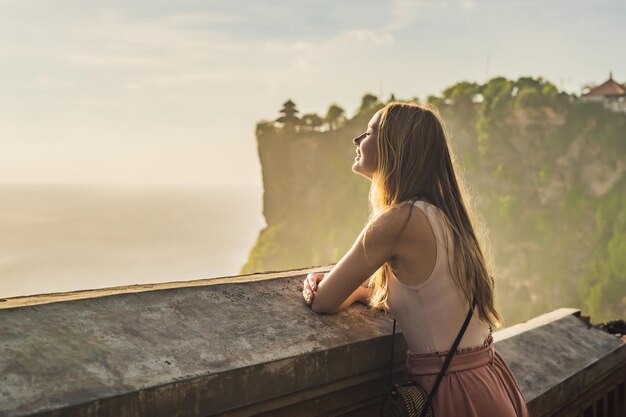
477,383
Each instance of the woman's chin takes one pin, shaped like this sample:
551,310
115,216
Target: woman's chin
356,170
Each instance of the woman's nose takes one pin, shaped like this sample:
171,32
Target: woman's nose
358,139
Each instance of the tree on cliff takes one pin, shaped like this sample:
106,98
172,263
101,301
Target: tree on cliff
369,102
289,118
264,128
312,121
464,96
534,92
334,116
492,125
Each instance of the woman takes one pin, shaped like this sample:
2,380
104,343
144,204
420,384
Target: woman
425,266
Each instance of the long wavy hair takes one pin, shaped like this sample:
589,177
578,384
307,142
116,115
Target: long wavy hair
416,163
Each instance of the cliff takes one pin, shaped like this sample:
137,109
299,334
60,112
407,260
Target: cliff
314,205
545,170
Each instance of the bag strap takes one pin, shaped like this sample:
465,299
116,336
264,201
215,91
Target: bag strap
391,361
446,363
448,360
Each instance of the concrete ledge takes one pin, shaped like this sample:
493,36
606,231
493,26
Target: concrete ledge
206,349
556,358
30,300
246,348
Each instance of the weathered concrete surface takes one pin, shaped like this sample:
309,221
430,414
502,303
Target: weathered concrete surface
556,357
30,300
246,347
197,344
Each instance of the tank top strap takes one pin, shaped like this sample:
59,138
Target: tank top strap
436,223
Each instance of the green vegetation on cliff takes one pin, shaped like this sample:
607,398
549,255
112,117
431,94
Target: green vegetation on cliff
312,202
546,172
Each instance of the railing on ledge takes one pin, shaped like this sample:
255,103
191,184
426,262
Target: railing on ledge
248,345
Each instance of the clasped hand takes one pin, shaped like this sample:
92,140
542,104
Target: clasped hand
310,286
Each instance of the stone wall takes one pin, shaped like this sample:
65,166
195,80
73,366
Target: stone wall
247,346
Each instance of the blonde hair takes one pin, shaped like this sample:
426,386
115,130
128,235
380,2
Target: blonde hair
416,163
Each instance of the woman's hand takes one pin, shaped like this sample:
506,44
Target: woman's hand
310,286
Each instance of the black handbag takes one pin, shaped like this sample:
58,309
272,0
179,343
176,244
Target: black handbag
409,399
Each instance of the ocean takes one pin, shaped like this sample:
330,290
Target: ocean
57,238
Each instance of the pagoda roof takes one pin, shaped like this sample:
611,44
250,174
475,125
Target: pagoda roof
608,88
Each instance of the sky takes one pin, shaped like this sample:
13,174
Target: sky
169,92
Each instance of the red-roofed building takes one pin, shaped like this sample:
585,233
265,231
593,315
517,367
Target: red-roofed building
611,93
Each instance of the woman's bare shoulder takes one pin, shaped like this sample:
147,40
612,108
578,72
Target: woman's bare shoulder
405,221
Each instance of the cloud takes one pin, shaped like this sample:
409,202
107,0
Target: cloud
467,5
139,74
375,37
405,12
132,51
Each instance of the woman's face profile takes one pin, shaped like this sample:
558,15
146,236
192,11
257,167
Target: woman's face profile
366,160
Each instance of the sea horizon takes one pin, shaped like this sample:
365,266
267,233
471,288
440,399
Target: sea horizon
71,237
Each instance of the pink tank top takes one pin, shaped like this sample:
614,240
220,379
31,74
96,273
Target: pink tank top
431,314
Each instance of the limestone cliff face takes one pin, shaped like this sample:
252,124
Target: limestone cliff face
548,182
314,205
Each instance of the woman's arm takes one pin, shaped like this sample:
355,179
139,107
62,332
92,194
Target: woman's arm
340,287
361,295
365,293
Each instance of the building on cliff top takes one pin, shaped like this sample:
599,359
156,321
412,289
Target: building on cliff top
610,93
